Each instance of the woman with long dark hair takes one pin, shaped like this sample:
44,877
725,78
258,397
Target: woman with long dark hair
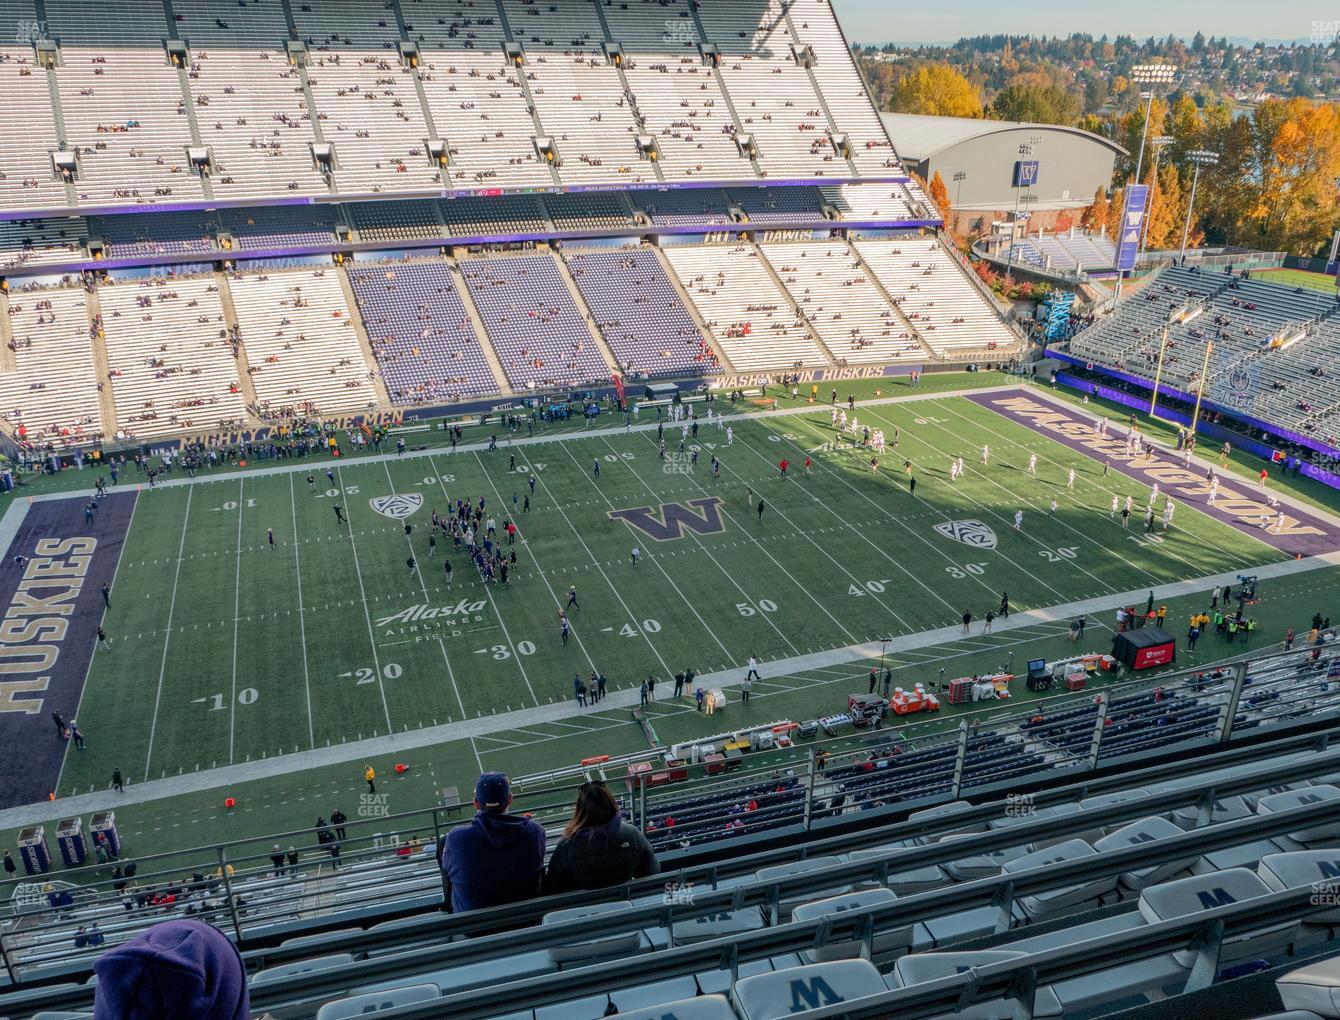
598,848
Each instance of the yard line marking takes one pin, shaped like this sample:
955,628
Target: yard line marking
1097,510
886,516
507,635
167,634
237,604
655,561
423,586
1003,518
816,601
544,575
102,619
367,614
302,615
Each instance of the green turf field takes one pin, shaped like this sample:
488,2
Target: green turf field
225,650
1296,278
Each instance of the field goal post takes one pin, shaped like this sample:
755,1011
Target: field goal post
1200,388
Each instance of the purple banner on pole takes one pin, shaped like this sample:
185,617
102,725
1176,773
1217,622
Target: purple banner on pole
1132,223
51,593
1238,503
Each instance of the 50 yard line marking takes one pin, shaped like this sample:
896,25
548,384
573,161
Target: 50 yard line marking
167,633
302,615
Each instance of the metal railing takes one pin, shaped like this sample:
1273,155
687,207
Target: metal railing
388,865
428,945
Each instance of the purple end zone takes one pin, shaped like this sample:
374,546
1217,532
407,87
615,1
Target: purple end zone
52,606
1240,504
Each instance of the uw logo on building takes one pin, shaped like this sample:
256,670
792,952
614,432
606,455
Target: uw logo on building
701,516
398,507
973,533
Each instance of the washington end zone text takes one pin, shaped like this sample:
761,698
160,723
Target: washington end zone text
37,619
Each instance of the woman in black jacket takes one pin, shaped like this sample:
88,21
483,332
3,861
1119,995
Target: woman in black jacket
598,848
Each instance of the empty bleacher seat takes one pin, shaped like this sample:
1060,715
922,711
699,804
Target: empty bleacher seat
919,968
376,1002
1188,896
766,996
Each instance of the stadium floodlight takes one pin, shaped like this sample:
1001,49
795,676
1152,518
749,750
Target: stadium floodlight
1025,150
1198,158
1159,142
1151,75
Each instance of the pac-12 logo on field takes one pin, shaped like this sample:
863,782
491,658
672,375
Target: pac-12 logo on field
973,533
397,507
702,516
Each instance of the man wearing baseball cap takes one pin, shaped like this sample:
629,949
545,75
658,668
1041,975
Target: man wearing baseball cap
497,858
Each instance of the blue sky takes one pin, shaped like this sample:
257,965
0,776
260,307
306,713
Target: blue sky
885,21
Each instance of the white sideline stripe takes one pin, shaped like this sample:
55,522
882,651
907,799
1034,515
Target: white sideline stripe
88,671
302,616
167,632
193,782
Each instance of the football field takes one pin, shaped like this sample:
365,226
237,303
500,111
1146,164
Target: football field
224,647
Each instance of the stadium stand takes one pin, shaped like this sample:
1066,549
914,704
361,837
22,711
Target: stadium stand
1135,862
639,313
53,393
122,104
170,356
840,86
276,227
591,212
27,128
773,95
249,101
709,207
950,315
504,214
132,236
778,205
1275,342
303,353
676,93
420,332
870,202
539,333
42,242
853,318
491,131
578,94
754,322
396,221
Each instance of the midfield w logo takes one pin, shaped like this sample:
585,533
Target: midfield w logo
702,516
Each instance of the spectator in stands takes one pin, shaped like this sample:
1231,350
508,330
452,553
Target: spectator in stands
598,849
499,857
175,969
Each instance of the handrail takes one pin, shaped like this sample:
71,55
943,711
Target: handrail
261,922
959,896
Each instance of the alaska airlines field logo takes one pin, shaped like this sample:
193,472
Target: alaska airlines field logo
702,516
973,533
398,507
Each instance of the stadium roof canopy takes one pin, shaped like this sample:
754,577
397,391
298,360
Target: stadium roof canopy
919,138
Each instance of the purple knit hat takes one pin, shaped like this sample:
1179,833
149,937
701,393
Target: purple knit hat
174,970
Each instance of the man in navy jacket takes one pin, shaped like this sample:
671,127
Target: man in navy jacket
497,858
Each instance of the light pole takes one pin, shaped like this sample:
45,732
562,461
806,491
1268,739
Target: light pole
1145,74
1159,142
1025,149
959,177
1199,158
1149,74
